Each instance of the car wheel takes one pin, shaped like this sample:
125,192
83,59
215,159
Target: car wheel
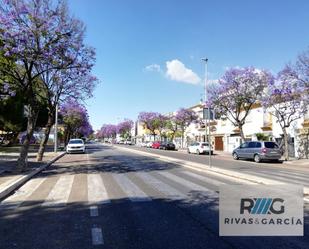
188,151
198,152
235,156
257,158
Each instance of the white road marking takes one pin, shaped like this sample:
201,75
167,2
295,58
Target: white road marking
97,193
15,200
97,236
133,192
60,193
283,179
94,211
161,186
291,173
204,178
288,174
189,184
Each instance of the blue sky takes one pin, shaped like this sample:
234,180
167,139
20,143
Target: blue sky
149,52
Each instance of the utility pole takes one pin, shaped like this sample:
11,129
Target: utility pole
56,130
207,117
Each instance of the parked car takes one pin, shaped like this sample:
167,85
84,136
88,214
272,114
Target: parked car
156,145
142,144
167,146
199,148
258,151
76,145
128,142
149,144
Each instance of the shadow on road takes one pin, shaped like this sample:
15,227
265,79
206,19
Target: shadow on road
160,223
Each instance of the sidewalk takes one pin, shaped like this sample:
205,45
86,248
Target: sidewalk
9,181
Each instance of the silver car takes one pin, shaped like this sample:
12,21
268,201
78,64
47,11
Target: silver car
258,151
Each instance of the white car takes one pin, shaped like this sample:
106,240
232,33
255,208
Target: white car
149,144
199,148
76,145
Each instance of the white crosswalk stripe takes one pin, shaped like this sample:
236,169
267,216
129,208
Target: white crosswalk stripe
189,184
160,186
292,173
60,193
204,178
288,175
21,195
133,192
282,178
97,193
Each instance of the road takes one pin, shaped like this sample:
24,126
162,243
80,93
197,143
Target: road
108,198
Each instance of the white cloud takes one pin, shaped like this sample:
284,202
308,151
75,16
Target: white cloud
153,68
176,70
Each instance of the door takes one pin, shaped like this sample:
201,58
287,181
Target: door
219,143
242,150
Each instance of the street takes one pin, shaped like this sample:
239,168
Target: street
110,198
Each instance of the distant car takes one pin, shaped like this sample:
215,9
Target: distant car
149,144
258,151
128,142
199,148
142,144
76,145
120,142
156,145
167,146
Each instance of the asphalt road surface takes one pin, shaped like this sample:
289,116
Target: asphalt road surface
108,198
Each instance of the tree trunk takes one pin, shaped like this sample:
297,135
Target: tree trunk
22,162
286,145
43,143
241,133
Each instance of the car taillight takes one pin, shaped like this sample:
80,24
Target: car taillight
264,150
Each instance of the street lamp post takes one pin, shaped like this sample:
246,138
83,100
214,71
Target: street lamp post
207,117
56,130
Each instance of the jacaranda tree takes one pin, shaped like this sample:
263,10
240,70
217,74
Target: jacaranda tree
36,37
237,91
183,118
150,121
284,100
76,120
124,128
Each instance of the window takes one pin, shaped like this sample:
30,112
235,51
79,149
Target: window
271,145
244,145
258,145
251,145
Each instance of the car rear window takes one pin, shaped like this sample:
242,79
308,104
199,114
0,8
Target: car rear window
271,145
205,144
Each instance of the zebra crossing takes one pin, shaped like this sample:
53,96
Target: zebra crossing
284,177
98,191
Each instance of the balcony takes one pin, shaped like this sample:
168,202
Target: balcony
268,126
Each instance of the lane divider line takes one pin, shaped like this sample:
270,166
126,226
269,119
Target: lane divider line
97,236
94,211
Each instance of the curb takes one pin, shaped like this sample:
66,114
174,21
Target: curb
22,180
206,168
